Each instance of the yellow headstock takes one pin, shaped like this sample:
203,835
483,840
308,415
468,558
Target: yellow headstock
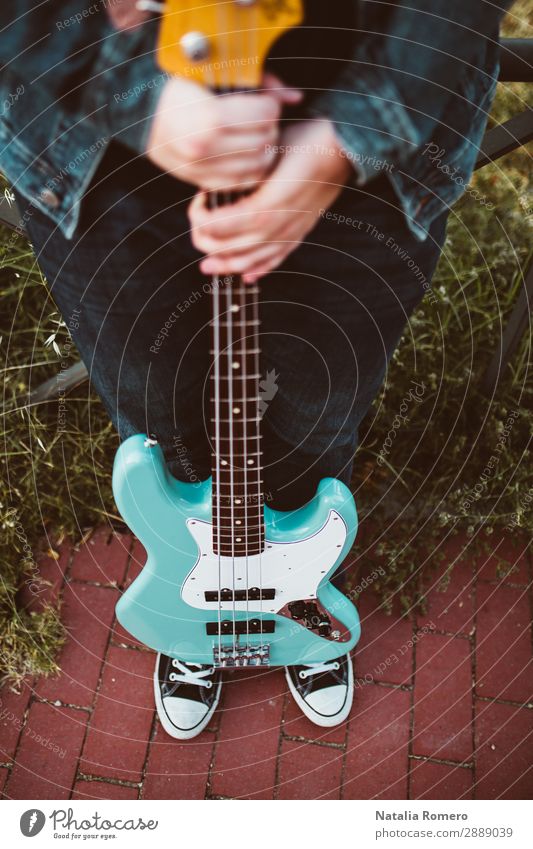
222,43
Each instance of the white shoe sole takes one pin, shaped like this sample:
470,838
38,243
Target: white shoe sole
318,718
169,727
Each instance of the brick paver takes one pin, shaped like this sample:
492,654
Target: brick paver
384,652
88,613
504,760
309,771
443,698
103,790
120,725
504,663
103,558
450,597
377,747
248,740
443,703
178,770
48,754
4,775
430,780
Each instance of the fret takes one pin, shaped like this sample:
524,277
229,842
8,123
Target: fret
234,454
239,541
246,290
225,421
234,408
238,324
224,552
238,380
254,512
253,438
239,538
225,521
228,353
230,539
231,543
241,507
251,488
254,528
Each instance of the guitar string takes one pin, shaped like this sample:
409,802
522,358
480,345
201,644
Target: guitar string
216,349
244,378
244,459
250,36
215,295
254,44
244,381
229,356
247,41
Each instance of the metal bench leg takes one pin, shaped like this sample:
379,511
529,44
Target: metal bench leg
512,334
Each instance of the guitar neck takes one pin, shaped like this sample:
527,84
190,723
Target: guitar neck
224,46
238,526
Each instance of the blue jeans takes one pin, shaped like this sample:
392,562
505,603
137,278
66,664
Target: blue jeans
129,288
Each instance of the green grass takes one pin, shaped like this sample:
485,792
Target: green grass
57,484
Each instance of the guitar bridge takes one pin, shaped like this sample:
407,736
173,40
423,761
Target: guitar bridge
236,656
253,594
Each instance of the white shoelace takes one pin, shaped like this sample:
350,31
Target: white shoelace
317,668
188,676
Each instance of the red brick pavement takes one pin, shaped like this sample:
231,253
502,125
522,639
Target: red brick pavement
443,707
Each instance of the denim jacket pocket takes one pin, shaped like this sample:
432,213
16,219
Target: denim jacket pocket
53,173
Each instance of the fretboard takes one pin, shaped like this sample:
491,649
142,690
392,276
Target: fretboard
238,527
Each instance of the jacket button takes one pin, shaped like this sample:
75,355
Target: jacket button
49,198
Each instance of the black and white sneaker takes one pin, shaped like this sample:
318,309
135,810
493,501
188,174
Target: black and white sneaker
323,691
186,695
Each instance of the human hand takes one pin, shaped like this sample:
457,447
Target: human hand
256,233
217,142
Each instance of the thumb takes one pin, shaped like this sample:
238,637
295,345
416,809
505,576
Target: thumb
274,86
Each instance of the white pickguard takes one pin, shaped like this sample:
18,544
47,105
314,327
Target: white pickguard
293,569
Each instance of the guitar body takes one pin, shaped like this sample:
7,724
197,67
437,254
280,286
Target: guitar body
307,620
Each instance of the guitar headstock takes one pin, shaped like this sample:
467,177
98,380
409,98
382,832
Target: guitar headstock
222,43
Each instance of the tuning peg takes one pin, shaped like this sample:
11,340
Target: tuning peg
149,6
195,45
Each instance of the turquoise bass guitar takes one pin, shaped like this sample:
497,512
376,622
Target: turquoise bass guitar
229,581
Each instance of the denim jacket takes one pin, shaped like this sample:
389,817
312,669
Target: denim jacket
411,98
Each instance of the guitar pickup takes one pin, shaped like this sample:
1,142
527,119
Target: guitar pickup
241,626
253,594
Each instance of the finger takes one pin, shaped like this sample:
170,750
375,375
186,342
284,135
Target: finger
250,110
256,274
240,234
216,247
223,221
225,181
262,269
250,166
286,94
256,265
243,262
247,140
